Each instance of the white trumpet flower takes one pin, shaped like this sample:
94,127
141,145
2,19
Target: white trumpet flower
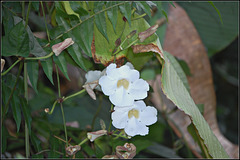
123,85
134,119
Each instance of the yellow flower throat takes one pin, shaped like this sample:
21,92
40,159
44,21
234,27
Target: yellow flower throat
134,113
123,82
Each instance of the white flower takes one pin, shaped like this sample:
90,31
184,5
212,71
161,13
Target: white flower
92,76
134,119
123,85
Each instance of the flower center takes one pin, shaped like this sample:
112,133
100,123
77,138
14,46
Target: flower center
123,82
134,113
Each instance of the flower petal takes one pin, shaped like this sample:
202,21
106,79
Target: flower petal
92,76
108,86
140,105
134,127
139,89
148,116
119,118
121,98
133,75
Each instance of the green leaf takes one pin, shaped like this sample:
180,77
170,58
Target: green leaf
100,22
68,9
148,74
62,64
36,142
83,36
17,42
162,151
15,104
165,14
184,66
112,14
27,114
179,71
35,5
48,68
201,108
4,138
7,20
214,35
77,8
104,54
219,14
35,48
32,70
174,88
145,7
126,11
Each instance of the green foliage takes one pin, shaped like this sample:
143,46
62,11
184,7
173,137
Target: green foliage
27,114
32,70
176,91
215,35
48,68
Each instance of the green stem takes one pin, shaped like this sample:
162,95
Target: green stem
109,128
45,21
28,11
12,91
85,140
23,10
96,114
26,97
10,10
64,99
2,74
75,94
37,58
121,49
118,135
139,17
84,21
59,94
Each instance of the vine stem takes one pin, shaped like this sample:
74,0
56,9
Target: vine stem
12,91
26,97
84,21
28,11
59,94
85,140
38,58
45,21
97,112
2,74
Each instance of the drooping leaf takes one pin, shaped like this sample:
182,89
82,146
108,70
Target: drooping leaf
175,90
219,14
17,42
4,139
36,142
27,114
15,104
35,48
7,19
84,36
214,35
184,66
145,7
48,68
112,14
100,22
81,39
62,64
126,11
32,70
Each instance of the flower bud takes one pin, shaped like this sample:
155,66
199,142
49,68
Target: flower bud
71,150
145,34
128,151
131,34
94,135
59,47
118,42
46,110
2,64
